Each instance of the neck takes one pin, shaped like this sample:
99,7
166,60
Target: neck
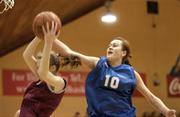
115,63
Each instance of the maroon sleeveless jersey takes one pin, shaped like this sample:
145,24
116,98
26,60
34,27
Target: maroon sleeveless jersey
38,98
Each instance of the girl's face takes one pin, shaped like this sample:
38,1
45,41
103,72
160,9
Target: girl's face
115,52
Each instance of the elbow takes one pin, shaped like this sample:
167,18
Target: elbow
60,84
26,55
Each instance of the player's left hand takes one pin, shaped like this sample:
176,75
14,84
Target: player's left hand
50,33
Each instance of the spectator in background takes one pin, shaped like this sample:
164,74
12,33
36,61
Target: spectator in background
77,114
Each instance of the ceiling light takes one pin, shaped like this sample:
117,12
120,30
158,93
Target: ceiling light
108,17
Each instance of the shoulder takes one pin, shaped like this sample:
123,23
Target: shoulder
101,63
101,60
136,74
138,78
60,89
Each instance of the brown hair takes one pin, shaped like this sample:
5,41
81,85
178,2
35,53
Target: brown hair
72,61
125,47
54,60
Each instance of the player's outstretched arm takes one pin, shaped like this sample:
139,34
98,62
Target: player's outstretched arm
64,50
155,101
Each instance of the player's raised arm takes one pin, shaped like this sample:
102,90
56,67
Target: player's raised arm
29,54
44,69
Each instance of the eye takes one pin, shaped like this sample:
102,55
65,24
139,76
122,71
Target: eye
39,57
115,45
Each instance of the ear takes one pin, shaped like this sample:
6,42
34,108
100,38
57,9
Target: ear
124,53
53,68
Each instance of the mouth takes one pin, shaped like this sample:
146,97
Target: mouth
110,52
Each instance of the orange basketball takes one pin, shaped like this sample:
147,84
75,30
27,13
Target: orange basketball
41,19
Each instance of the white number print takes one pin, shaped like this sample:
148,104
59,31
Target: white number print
112,82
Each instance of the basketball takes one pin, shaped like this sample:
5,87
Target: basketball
41,19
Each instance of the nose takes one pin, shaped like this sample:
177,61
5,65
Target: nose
110,48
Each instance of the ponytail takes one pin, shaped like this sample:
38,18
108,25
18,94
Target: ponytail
126,61
72,61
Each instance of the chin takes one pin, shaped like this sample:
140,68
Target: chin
109,58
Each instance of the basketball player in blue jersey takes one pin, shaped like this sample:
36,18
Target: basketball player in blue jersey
111,82
44,94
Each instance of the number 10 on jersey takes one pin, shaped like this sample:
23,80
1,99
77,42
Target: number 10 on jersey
111,82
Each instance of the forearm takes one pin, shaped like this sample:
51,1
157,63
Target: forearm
61,48
157,103
44,64
64,50
30,49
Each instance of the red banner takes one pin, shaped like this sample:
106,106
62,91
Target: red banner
16,81
173,87
76,83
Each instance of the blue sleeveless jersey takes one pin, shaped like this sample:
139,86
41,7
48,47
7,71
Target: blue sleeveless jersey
109,90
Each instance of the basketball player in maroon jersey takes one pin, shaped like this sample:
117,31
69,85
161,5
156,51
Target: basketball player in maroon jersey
44,94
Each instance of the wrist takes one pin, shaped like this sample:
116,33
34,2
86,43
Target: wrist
48,41
166,112
38,39
48,44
